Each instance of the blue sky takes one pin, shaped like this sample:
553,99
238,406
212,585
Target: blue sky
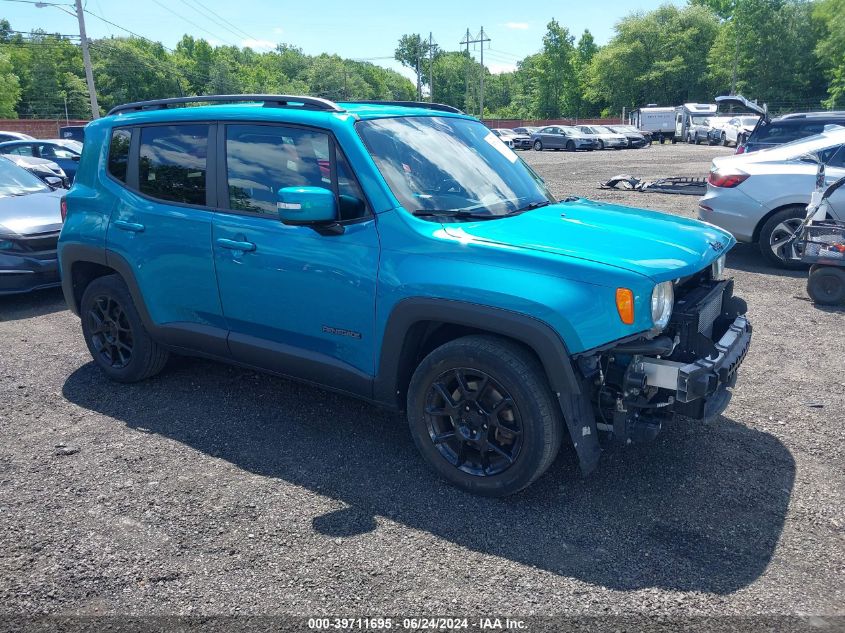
358,29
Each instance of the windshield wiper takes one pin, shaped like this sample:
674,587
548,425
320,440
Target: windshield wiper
530,207
453,213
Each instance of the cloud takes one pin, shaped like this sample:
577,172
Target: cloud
517,26
498,69
258,44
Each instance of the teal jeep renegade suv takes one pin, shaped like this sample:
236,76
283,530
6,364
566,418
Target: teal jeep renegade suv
401,253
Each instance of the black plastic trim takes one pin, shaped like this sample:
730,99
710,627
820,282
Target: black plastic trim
71,254
536,334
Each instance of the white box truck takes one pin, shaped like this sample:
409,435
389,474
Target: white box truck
672,122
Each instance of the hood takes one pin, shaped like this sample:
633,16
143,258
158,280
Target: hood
654,244
32,213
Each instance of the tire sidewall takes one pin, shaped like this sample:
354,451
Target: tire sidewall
530,457
538,146
816,278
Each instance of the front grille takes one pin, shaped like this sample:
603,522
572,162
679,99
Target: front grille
710,311
36,243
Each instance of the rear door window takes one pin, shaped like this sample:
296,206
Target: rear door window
172,163
784,133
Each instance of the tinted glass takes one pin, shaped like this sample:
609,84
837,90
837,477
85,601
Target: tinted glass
261,159
784,133
56,151
352,205
834,156
21,150
445,163
119,153
172,162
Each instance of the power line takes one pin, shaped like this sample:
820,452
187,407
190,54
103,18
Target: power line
123,28
217,19
195,25
478,39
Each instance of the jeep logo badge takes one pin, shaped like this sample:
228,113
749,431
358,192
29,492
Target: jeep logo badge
717,246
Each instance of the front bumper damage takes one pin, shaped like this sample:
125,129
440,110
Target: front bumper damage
689,369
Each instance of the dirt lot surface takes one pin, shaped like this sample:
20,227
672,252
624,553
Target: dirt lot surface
214,490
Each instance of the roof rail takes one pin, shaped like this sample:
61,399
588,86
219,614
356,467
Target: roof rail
273,101
442,107
819,114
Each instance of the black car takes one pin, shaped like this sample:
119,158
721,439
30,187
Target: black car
788,128
30,221
636,138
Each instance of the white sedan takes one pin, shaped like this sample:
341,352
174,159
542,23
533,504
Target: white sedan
762,197
737,129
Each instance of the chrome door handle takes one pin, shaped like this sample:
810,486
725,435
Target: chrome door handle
235,245
123,225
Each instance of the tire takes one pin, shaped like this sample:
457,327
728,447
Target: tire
697,140
724,140
492,370
826,285
120,346
538,145
601,144
570,146
689,139
775,230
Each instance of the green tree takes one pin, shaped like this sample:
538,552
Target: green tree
830,49
410,52
10,89
558,81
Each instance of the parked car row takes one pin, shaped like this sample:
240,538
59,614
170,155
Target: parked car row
574,137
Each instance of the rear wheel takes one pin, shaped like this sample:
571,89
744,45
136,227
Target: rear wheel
724,140
775,235
114,333
826,285
538,145
482,415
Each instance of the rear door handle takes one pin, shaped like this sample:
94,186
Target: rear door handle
123,225
235,245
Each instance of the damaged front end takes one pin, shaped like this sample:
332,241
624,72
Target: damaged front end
689,368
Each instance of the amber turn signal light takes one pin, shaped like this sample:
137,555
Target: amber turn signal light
625,305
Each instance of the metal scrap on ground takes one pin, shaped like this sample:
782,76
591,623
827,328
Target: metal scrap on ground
679,185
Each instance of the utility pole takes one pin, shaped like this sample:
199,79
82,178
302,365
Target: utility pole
466,75
480,39
430,68
86,59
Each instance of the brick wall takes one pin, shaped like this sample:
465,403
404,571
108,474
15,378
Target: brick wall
512,123
39,128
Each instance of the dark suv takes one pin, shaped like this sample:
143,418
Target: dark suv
788,128
403,254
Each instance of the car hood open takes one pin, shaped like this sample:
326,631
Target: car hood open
654,244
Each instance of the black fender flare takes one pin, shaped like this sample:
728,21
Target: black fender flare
540,337
71,254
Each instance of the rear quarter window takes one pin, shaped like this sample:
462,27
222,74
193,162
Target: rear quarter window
119,153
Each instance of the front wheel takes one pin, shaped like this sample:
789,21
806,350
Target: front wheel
114,333
538,146
774,241
570,146
601,144
826,285
481,413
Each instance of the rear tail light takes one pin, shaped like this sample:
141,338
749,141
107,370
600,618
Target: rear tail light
63,207
740,149
727,180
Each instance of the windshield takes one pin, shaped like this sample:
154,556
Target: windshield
600,129
15,181
450,164
749,121
699,120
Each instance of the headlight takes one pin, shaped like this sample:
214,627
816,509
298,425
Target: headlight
662,300
717,268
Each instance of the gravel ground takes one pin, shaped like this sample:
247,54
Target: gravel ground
214,490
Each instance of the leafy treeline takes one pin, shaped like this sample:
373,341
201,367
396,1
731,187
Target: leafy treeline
39,72
788,53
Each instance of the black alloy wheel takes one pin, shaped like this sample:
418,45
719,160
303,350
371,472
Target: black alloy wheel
474,422
110,332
